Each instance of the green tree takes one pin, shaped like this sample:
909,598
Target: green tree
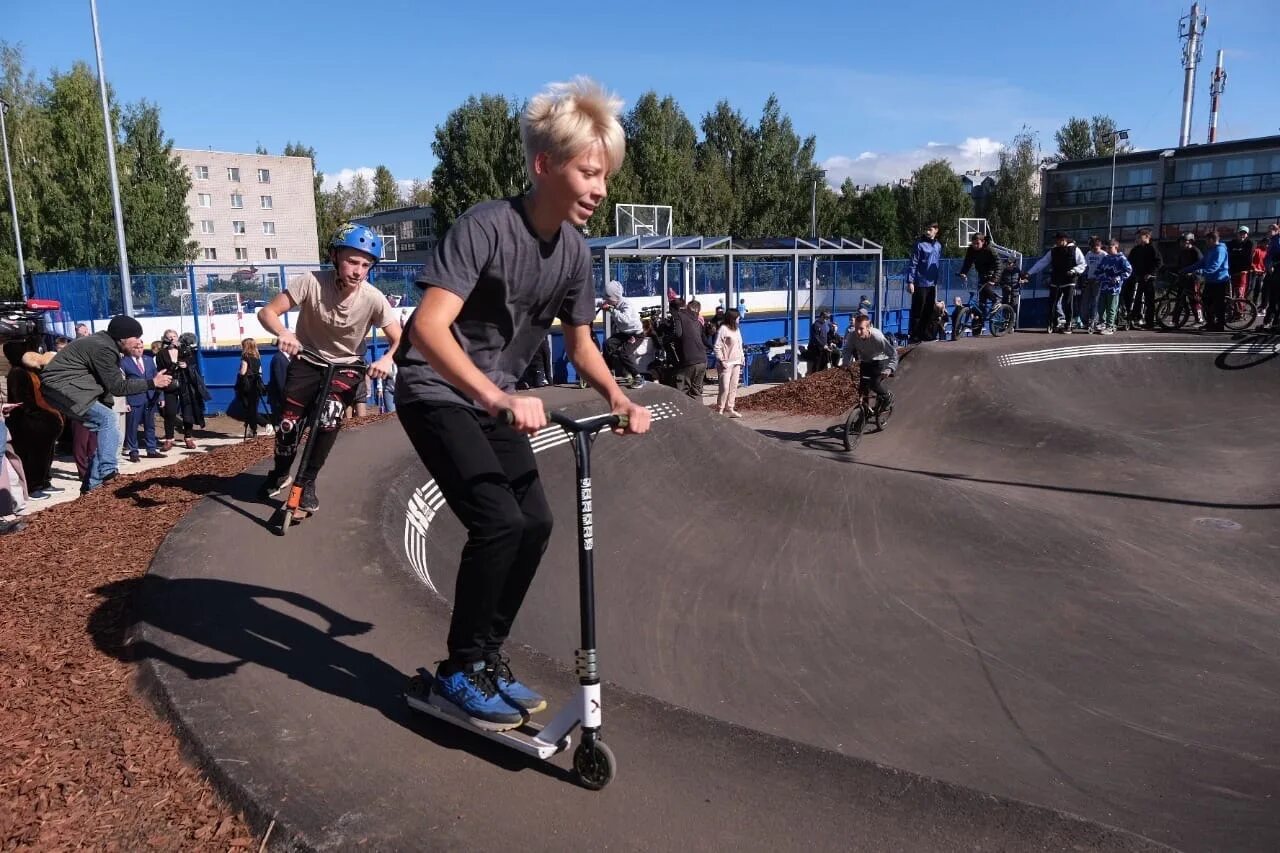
781,172
260,149
1075,140
24,123
361,198
419,192
333,208
153,188
934,194
386,192
1014,202
873,215
726,148
478,156
660,164
1102,130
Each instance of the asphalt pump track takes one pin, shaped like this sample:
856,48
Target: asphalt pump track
1040,611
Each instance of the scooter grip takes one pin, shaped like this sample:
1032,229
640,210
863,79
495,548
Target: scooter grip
506,417
623,421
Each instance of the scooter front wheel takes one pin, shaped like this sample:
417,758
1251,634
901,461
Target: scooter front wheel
594,763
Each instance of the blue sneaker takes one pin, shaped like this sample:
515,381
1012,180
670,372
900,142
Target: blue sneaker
513,691
471,694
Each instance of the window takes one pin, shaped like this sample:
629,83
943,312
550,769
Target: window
268,228
237,226
266,201
202,172
210,254
206,226
1140,176
233,174
1235,210
242,254
272,254
1237,166
1137,216
237,200
1201,212
1202,170
264,176
1275,162
272,279
206,200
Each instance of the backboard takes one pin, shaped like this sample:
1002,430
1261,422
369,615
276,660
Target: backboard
645,220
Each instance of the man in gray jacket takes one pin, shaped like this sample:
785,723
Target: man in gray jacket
875,355
83,378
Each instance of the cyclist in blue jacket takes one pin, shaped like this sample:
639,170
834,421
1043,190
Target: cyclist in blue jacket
1213,270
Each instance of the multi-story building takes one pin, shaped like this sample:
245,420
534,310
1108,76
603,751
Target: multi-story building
414,228
1173,191
251,209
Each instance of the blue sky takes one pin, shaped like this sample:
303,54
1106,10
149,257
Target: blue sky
882,91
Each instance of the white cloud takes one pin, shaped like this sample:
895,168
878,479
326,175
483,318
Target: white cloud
872,167
346,176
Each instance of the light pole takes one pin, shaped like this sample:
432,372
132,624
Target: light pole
13,202
126,283
813,204
1115,147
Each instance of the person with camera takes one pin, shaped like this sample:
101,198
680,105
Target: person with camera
185,397
84,378
620,349
336,309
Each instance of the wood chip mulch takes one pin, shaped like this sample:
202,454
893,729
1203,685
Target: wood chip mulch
85,762
828,393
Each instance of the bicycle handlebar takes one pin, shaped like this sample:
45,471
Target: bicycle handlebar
568,424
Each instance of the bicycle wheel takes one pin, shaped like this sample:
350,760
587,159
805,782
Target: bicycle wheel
963,323
1001,320
882,417
854,424
1240,314
1171,313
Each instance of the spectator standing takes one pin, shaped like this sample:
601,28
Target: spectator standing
34,424
183,400
820,342
250,388
1065,262
1215,272
1257,275
1138,298
1087,305
691,352
730,357
1112,272
141,407
626,329
1239,260
1271,284
923,268
1189,255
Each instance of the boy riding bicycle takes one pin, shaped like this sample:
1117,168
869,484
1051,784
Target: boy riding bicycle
876,358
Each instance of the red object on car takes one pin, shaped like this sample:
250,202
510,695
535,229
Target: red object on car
44,305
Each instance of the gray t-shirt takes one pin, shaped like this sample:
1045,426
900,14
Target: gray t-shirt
513,286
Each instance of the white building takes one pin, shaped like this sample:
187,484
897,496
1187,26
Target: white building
251,209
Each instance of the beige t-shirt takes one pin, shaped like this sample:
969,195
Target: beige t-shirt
336,327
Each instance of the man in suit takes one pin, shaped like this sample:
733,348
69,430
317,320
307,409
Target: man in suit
138,363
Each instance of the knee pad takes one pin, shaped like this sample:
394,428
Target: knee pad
287,436
331,414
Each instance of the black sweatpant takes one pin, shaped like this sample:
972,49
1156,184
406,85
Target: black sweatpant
1062,299
1271,297
301,395
1214,298
489,478
869,378
922,308
1143,301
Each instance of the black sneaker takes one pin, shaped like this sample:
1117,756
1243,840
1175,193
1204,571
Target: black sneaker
309,502
273,485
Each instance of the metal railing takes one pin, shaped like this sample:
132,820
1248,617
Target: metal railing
1215,186
1101,195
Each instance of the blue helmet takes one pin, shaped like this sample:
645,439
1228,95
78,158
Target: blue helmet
352,236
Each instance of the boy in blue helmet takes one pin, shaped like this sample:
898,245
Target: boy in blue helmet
336,309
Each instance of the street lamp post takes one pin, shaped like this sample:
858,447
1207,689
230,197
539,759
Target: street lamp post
813,204
126,284
13,201
1115,147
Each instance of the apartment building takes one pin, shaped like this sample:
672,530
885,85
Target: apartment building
251,209
414,228
1172,191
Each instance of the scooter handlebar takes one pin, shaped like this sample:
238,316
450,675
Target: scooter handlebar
568,424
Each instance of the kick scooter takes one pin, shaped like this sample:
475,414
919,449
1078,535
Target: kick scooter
289,512
593,761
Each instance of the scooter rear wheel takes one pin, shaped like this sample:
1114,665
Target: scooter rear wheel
595,765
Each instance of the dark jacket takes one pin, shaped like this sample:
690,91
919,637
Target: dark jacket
983,260
1239,255
130,368
275,387
687,332
925,262
1189,256
1145,260
87,371
188,390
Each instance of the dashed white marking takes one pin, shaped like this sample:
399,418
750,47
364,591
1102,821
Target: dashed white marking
1254,348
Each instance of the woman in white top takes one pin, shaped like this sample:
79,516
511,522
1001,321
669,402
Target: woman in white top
729,356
